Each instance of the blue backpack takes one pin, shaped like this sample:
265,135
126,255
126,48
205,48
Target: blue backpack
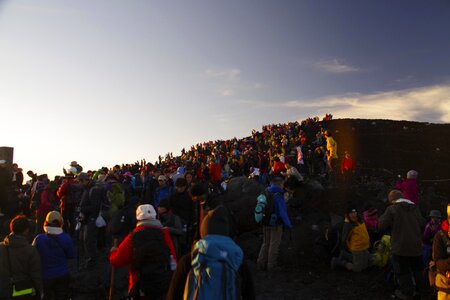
214,274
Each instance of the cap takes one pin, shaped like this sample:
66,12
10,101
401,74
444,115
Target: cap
162,177
54,218
145,212
73,163
435,214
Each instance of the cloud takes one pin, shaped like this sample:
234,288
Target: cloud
335,66
228,74
227,92
426,104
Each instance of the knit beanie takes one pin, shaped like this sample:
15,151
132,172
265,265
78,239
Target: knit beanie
215,222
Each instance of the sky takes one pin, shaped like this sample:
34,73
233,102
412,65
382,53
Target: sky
106,81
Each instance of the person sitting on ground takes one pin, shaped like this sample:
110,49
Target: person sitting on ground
55,249
433,226
354,255
292,171
19,262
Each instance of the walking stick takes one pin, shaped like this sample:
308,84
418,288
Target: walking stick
113,275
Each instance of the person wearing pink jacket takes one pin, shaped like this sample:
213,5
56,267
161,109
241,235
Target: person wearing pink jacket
409,187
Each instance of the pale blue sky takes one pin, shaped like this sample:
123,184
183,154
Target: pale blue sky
105,82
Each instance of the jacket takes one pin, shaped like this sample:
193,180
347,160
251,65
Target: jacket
441,242
355,236
280,205
92,198
55,250
406,223
410,189
25,263
123,255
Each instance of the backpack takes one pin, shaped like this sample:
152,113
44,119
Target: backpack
265,209
382,252
216,260
152,260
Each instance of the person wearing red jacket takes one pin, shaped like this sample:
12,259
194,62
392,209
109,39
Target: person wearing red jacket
348,168
125,254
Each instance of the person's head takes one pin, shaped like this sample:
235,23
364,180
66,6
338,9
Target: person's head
180,185
19,225
163,206
394,195
53,219
352,214
412,174
435,215
162,180
83,179
215,222
347,155
145,212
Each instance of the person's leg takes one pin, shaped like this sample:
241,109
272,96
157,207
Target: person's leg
90,241
360,260
417,268
275,241
61,288
264,251
403,274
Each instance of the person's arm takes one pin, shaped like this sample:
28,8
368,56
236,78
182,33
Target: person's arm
177,284
282,211
123,255
35,270
386,220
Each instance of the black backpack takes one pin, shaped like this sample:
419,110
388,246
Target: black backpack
152,261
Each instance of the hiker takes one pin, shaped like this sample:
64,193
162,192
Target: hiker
272,233
55,248
210,251
292,172
19,263
433,226
332,155
47,202
90,206
355,243
348,168
406,223
150,253
164,190
441,255
409,187
173,223
69,194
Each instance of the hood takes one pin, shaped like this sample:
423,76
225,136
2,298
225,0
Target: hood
217,248
180,170
15,241
405,203
149,222
274,189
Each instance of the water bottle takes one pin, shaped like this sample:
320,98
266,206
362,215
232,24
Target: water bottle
173,263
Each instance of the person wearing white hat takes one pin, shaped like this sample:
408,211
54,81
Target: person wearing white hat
150,253
55,248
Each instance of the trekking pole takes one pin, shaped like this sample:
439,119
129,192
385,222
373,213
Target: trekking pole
113,275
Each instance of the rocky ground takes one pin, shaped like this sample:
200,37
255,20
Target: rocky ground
382,149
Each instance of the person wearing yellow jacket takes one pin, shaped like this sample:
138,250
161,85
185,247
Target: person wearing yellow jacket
332,155
354,255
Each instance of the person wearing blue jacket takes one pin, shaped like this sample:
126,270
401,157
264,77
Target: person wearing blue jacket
55,248
272,234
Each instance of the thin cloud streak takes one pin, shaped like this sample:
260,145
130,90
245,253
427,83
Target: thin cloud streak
230,74
335,66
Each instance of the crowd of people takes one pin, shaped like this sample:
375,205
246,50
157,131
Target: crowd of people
166,227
